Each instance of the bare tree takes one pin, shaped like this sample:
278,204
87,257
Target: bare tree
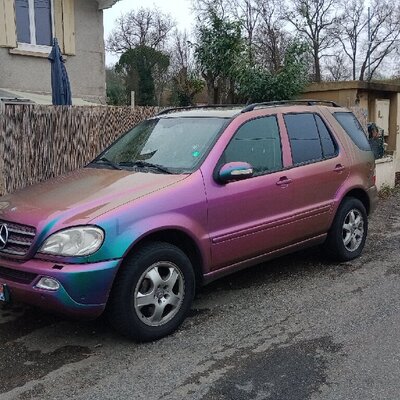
350,30
144,27
271,38
222,8
181,51
186,80
384,36
314,20
248,13
337,68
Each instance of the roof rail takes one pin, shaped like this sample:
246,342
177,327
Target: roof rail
308,102
172,109
250,107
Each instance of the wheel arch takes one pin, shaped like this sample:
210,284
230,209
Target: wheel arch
361,195
179,239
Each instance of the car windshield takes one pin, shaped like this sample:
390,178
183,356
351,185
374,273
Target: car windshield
175,144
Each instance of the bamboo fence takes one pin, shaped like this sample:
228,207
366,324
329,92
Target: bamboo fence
41,142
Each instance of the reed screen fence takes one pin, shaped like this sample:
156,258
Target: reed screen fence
41,142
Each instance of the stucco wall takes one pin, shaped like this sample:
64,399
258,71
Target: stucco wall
345,97
385,172
86,69
394,122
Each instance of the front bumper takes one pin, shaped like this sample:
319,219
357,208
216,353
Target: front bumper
83,292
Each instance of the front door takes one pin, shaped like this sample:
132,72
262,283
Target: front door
250,217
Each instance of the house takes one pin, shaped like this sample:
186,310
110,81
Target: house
377,102
27,28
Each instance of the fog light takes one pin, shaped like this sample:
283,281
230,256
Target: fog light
48,284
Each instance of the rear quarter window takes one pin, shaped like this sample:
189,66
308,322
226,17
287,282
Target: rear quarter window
350,124
309,137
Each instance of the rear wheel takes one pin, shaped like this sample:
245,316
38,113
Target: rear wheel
346,238
152,293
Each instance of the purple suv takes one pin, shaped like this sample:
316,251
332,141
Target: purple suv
182,199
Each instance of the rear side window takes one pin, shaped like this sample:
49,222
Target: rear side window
350,124
258,143
309,138
328,146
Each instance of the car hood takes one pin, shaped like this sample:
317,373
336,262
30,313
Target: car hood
80,196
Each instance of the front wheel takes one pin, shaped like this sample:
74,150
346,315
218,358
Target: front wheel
152,293
346,238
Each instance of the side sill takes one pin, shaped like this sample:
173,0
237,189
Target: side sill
230,269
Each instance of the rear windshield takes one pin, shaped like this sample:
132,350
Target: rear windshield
178,144
350,124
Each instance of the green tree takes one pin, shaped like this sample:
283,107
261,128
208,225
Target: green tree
138,66
217,51
116,91
257,84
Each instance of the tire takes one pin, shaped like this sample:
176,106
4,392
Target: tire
346,238
152,293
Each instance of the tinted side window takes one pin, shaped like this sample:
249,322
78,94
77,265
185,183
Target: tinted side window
304,138
328,145
350,124
258,143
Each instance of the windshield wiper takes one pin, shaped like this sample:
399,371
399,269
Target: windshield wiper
145,164
109,162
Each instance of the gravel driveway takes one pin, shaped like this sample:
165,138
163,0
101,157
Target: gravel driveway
297,328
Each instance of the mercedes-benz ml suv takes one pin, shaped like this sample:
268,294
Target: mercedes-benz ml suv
183,198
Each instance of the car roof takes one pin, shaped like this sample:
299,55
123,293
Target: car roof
231,111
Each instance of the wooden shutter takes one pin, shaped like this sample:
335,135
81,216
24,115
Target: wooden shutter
69,26
8,37
64,22
58,23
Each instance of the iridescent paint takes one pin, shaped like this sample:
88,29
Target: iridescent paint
231,225
126,205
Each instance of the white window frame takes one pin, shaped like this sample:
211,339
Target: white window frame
33,47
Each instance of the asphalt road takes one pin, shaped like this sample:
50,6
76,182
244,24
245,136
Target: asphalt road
297,328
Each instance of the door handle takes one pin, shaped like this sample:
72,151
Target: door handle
339,168
284,181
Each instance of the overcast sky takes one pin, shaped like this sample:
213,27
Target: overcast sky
179,10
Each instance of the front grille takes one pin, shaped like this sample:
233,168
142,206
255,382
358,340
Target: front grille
17,276
20,238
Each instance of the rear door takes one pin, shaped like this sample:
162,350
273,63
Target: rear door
320,167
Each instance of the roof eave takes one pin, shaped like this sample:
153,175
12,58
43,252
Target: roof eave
103,4
357,85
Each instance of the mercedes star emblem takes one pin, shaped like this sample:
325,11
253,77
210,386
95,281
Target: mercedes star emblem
3,236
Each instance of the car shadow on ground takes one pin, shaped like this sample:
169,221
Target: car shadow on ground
18,320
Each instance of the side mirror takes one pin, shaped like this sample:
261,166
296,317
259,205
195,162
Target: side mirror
235,171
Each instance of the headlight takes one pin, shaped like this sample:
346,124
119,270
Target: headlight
79,241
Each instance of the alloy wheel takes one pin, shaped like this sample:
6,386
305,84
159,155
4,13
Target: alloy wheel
353,230
159,293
